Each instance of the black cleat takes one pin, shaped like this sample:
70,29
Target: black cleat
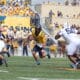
38,63
1,62
49,56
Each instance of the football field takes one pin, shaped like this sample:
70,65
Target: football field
25,68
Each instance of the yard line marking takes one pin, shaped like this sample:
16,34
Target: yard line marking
25,78
4,71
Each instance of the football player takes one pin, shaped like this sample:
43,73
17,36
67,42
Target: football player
39,38
73,42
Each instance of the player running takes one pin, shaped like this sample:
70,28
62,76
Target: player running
73,42
39,38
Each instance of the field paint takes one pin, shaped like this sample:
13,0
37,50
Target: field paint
25,78
4,71
69,69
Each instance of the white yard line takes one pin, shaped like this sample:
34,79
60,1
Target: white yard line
25,78
4,71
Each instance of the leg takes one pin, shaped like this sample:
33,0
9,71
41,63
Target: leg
36,57
8,54
71,49
23,51
4,61
8,46
48,52
34,53
26,50
75,61
72,59
1,58
42,54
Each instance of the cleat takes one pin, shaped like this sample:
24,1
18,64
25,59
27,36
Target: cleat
78,66
49,56
1,62
37,62
73,66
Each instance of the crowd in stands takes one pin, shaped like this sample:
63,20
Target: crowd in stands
17,37
14,38
66,3
17,43
15,9
57,26
61,15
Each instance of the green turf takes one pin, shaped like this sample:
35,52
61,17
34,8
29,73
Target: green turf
21,68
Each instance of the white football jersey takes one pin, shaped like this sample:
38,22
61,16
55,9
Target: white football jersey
69,35
2,45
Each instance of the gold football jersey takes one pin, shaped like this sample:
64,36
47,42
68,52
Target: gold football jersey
40,38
